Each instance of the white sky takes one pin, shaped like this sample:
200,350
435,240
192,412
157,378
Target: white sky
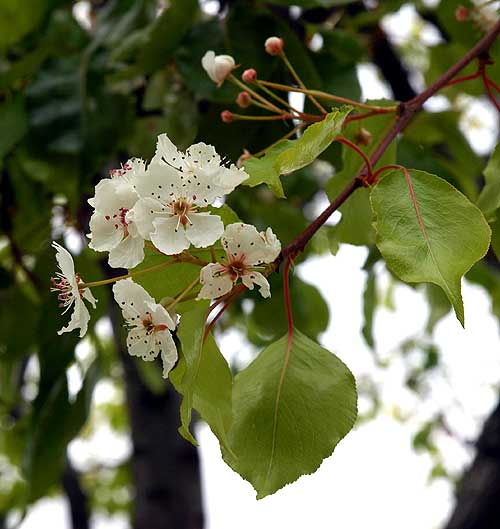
374,478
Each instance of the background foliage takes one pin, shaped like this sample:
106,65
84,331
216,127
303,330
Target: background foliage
79,98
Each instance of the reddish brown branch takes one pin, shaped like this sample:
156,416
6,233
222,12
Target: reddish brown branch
406,112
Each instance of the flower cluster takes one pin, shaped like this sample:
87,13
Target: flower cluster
165,204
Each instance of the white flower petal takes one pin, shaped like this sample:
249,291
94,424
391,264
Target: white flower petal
132,298
143,214
104,234
141,344
218,67
245,243
203,154
169,237
228,178
168,352
204,230
79,318
161,181
215,281
166,152
251,278
87,294
65,262
128,253
160,315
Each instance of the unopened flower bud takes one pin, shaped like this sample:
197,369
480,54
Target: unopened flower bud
226,116
274,45
246,154
218,67
462,13
249,76
244,100
363,137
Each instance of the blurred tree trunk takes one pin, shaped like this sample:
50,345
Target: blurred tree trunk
478,497
165,466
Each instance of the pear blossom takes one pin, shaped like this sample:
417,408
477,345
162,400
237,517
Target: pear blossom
111,228
149,324
274,45
70,294
218,67
174,188
246,251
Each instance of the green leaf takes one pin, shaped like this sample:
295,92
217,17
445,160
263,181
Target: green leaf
202,376
312,143
489,199
227,215
16,20
427,231
290,411
369,306
166,33
439,306
13,124
263,170
288,156
168,281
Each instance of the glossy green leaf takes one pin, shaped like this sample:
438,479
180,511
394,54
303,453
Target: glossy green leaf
289,156
427,231
202,376
312,143
290,411
489,199
264,171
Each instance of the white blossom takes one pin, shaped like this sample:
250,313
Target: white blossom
70,294
174,189
149,324
218,67
112,229
246,251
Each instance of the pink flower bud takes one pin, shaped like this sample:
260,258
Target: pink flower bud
244,100
363,137
249,76
461,13
226,116
274,45
243,157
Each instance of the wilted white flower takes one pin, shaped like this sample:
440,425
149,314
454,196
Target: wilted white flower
176,185
218,67
246,249
70,293
111,228
149,324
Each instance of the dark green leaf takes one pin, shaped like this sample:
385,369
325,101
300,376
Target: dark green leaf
202,377
291,408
